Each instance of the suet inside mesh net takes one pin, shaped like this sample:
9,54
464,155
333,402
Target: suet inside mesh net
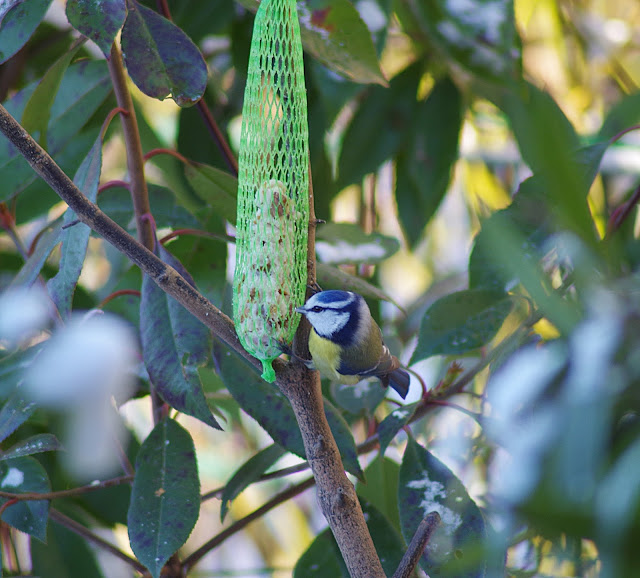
273,204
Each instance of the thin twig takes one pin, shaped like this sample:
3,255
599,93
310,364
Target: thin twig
85,533
191,560
31,496
418,543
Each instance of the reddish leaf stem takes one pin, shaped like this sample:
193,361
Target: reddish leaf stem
162,151
115,294
196,233
112,185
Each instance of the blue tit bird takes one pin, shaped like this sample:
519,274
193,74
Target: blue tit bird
346,343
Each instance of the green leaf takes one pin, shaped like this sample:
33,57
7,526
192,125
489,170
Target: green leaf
33,445
33,265
18,21
161,59
12,367
381,488
528,216
271,409
508,247
217,188
247,474
344,243
427,485
25,475
75,238
345,440
15,411
362,398
461,322
116,202
333,32
37,112
424,166
548,144
379,127
205,258
99,21
336,278
165,498
65,555
174,345
323,559
84,87
393,423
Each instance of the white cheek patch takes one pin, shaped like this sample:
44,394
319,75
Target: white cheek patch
326,324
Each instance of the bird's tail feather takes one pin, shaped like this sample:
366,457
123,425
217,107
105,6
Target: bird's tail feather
399,380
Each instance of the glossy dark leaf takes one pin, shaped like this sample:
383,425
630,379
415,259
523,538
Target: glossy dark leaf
323,559
25,475
247,474
379,127
174,345
161,59
217,188
75,238
271,409
427,485
345,243
15,411
18,21
33,445
461,322
37,111
424,167
99,21
165,499
393,423
362,398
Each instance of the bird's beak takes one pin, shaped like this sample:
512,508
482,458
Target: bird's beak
300,310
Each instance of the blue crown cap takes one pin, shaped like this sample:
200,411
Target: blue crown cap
331,296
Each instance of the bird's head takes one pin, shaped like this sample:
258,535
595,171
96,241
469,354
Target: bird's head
336,315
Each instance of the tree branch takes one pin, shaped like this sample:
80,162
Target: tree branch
133,146
418,543
336,494
166,277
191,560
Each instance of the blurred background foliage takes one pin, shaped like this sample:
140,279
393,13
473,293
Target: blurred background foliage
487,152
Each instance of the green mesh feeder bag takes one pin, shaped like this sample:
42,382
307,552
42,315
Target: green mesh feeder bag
273,187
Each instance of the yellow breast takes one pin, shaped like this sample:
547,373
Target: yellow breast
326,358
